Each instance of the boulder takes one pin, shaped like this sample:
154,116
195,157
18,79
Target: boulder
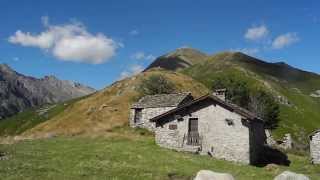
288,175
210,175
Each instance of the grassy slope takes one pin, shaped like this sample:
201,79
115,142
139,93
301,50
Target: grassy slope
108,108
297,86
304,115
125,155
30,118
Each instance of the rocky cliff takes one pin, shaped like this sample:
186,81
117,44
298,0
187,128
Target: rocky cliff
19,92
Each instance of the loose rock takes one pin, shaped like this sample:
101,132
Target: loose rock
210,175
288,175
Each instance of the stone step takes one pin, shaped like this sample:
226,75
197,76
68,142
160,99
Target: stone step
191,148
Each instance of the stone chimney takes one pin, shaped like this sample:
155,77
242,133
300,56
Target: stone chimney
220,93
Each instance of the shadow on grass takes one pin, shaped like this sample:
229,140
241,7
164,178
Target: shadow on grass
273,156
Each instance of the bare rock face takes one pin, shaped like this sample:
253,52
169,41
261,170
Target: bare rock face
210,175
19,92
288,175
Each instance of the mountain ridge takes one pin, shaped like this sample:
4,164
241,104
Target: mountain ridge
19,92
108,108
178,59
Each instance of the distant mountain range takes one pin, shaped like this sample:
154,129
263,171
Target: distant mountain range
19,92
296,91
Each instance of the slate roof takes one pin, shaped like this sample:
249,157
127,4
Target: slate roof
313,133
241,111
161,100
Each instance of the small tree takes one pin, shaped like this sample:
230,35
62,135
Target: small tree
237,91
156,84
254,99
264,105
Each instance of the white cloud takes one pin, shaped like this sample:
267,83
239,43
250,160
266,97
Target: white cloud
133,70
284,40
134,32
249,51
69,42
256,33
142,56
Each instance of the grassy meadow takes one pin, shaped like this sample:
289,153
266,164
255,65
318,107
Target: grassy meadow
124,154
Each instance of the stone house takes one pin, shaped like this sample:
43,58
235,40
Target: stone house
315,147
153,105
210,125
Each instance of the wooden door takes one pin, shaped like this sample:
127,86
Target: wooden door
193,134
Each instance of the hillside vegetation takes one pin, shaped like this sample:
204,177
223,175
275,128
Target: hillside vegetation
109,108
32,117
299,112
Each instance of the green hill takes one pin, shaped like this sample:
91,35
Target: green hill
291,87
299,112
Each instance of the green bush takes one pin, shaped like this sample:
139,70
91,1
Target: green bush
156,84
251,98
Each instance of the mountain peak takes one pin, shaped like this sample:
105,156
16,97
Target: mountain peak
50,77
179,59
5,68
22,92
185,51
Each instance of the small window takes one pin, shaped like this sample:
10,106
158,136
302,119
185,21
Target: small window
178,117
173,126
230,122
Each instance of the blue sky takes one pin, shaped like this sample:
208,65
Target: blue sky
98,42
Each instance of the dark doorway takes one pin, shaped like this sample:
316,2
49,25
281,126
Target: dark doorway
137,115
193,134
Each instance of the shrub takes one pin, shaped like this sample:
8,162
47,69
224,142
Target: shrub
156,84
254,99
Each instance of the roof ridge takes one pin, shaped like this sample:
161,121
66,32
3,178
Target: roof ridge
239,110
161,100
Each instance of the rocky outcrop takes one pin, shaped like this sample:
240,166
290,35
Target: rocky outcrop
315,94
210,175
288,175
19,92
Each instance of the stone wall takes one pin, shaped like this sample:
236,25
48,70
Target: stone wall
218,137
147,114
315,148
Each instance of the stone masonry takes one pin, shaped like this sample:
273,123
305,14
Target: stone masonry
315,147
240,141
146,115
151,106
